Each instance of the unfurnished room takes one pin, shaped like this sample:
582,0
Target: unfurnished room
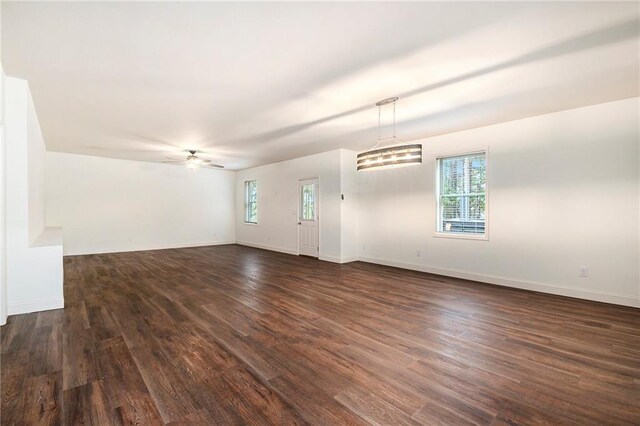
322,213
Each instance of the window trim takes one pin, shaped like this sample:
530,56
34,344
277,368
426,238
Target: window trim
458,235
246,202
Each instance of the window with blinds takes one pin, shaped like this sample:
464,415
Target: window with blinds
251,201
461,192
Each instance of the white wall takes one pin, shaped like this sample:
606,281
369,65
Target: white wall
349,206
36,151
3,287
563,193
34,272
110,205
277,227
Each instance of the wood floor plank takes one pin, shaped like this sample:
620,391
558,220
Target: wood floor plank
199,418
121,377
257,402
50,318
78,358
313,403
88,405
434,412
17,333
13,368
170,394
46,350
236,335
373,409
142,411
42,400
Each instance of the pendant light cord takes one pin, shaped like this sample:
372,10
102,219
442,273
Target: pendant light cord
379,123
394,119
380,140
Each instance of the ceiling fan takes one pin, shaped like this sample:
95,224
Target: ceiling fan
193,161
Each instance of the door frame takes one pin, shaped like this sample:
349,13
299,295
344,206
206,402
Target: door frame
318,214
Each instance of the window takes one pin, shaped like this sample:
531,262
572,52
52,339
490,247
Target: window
308,199
462,194
251,201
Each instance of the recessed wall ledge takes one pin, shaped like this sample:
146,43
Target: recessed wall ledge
50,236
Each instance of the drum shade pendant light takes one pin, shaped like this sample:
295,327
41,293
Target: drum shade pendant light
395,153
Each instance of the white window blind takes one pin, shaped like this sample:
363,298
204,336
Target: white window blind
251,201
462,194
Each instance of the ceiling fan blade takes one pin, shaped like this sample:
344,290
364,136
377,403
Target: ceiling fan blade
119,149
214,166
174,161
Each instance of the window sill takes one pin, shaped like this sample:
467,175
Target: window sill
251,223
457,236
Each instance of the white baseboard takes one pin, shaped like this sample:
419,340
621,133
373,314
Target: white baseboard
598,296
266,247
3,309
149,248
339,259
35,305
332,259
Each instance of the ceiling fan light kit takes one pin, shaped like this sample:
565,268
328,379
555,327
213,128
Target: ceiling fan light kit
193,162
393,155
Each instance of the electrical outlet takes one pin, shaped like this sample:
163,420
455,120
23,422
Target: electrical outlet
418,253
584,271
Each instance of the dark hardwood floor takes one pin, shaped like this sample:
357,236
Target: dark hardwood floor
235,335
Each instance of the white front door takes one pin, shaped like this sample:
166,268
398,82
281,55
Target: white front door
308,230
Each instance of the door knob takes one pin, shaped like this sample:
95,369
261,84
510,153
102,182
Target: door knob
299,223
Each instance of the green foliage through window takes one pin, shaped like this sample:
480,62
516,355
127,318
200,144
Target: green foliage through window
308,198
462,194
251,201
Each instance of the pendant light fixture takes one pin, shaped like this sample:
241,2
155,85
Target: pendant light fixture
395,153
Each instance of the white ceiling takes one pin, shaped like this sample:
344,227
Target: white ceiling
255,83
